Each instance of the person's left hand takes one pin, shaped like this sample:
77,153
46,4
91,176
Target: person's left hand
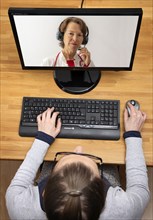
85,55
48,122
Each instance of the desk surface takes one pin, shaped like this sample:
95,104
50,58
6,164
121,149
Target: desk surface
16,83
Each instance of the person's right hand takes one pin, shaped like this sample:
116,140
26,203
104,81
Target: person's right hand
48,122
85,55
135,121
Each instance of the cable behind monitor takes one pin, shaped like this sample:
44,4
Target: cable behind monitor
82,2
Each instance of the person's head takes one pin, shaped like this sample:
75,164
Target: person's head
73,31
74,190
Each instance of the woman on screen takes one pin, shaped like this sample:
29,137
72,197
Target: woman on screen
72,34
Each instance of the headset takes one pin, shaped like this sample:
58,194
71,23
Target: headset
60,34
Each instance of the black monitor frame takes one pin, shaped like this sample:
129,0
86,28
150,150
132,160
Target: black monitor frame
76,12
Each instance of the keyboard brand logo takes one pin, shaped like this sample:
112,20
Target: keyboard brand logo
69,128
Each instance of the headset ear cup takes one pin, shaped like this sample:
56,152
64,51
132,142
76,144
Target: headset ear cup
85,40
59,36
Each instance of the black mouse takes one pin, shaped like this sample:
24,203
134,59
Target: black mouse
134,103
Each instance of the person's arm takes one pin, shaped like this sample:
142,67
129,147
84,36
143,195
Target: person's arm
131,203
24,177
136,173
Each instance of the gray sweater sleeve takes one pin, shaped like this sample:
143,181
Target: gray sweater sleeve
136,176
131,203
22,197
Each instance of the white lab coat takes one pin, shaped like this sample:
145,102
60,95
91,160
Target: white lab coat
60,60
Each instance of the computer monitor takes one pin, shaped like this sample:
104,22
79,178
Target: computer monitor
77,43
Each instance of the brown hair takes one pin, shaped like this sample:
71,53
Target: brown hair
74,193
63,26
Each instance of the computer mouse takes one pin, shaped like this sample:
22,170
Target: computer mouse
134,103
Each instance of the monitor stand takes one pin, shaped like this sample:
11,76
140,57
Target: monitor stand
77,81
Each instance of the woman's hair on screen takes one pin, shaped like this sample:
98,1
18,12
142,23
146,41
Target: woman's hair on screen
74,192
62,28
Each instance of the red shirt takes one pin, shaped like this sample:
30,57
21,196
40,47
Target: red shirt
70,63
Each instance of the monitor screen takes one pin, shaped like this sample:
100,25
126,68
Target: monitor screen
76,39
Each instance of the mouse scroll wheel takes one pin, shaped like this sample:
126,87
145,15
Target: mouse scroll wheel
132,102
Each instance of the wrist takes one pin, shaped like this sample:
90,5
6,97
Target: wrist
131,134
86,65
45,137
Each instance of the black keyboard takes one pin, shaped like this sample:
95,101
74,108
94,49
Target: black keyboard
81,118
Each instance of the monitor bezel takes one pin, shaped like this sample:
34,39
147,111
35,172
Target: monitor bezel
76,12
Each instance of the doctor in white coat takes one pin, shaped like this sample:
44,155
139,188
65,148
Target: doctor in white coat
72,34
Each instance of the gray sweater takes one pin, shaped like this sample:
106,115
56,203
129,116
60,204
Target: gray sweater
22,197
